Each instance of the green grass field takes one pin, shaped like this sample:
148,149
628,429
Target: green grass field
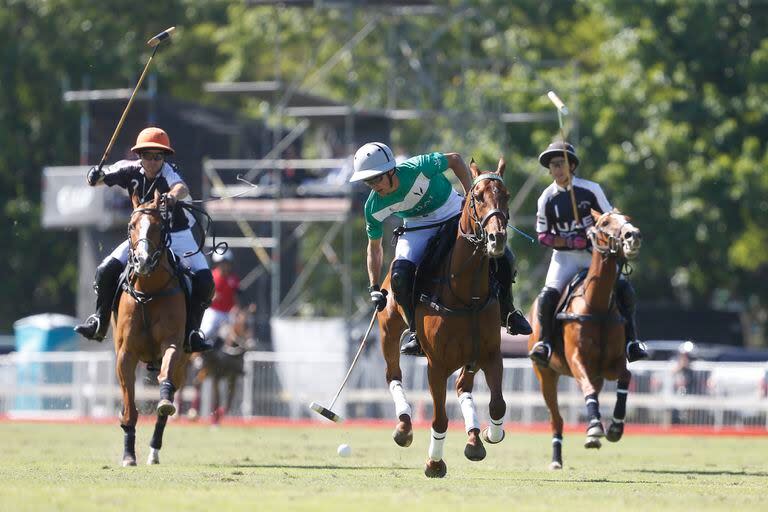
75,467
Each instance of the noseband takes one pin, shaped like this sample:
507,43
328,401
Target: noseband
479,236
613,243
165,235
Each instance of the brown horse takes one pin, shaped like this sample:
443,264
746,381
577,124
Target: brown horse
592,334
459,325
150,322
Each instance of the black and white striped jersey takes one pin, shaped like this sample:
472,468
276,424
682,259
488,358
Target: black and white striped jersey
555,211
129,174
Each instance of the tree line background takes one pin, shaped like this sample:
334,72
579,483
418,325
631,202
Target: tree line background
670,98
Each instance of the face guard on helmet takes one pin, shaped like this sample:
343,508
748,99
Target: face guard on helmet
371,160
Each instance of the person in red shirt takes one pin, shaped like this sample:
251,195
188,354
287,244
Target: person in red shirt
227,286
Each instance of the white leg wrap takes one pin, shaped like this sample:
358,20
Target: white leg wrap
436,445
398,395
496,430
469,412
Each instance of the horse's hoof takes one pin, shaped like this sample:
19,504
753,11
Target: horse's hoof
595,429
127,462
592,442
403,434
615,431
555,465
402,438
484,436
165,408
475,452
153,457
435,469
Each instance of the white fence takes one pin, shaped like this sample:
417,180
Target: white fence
83,384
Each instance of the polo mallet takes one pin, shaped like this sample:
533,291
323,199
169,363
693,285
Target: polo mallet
154,43
562,110
328,412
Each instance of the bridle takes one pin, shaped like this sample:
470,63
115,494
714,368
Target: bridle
156,252
613,244
479,235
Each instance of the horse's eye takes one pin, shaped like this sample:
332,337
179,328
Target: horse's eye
478,198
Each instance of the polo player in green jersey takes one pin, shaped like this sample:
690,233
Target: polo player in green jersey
417,191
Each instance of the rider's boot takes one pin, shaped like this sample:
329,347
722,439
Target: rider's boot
625,300
403,274
96,326
203,288
511,317
541,351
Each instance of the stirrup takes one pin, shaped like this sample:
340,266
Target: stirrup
636,350
410,345
197,342
537,356
91,328
517,323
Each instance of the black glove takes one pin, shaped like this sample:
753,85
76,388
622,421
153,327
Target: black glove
378,297
95,175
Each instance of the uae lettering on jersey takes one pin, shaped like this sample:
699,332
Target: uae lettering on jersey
555,208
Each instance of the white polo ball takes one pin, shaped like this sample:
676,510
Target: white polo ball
344,450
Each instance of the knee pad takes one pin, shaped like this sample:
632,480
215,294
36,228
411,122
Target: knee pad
505,268
403,272
109,270
548,298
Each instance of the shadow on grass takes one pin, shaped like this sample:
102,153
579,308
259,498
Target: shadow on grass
713,472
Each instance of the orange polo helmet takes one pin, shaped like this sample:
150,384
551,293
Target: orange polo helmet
152,138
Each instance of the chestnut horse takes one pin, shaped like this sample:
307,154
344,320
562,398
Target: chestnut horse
150,322
593,334
459,326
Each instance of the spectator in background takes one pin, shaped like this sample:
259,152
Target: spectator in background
684,384
227,288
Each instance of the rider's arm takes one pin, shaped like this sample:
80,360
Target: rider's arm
460,169
179,191
374,261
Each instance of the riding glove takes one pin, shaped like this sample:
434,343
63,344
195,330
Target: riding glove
95,175
378,298
576,242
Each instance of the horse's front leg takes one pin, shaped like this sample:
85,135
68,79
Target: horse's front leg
548,383
435,467
390,326
616,429
494,372
474,450
125,366
171,377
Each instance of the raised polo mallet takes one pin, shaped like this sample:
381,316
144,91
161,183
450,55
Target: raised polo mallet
562,110
328,412
154,43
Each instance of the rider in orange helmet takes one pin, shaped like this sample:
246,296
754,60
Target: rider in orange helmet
141,178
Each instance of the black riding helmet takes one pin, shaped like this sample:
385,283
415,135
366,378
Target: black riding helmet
556,149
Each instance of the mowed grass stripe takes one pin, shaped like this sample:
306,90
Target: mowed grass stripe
76,467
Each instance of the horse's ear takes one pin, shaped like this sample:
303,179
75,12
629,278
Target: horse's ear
135,201
595,214
156,199
501,167
473,167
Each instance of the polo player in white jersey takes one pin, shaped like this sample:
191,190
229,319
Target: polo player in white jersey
418,192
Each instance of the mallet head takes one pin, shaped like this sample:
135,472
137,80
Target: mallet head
557,102
159,38
326,413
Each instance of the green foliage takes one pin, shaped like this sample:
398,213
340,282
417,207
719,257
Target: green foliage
668,102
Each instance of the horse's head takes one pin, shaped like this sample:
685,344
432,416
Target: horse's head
149,233
487,207
613,233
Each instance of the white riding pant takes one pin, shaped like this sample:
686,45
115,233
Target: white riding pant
181,243
213,320
564,265
411,245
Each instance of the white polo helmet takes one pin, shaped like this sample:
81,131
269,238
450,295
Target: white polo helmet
371,160
218,258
